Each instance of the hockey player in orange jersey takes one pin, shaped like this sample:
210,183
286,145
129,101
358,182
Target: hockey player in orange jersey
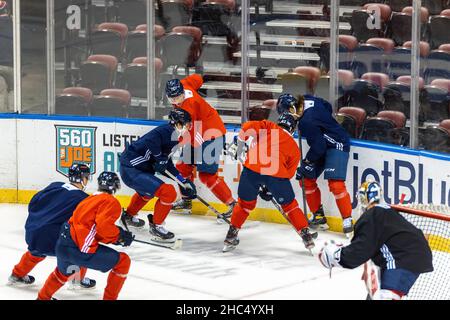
207,137
92,223
271,161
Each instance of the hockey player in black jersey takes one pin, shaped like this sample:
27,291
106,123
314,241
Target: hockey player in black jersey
382,235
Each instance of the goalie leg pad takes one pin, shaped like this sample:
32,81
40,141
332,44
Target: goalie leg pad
241,212
166,194
343,201
313,195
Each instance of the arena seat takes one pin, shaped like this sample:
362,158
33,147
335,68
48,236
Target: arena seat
380,79
74,101
98,72
351,118
439,27
174,13
438,64
360,18
130,12
399,135
434,138
372,56
398,5
347,45
109,38
111,103
436,103
261,112
435,6
378,129
397,97
364,94
213,17
135,76
301,80
400,26
445,124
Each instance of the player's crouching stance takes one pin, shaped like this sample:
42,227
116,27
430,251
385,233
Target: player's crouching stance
272,159
138,165
47,211
329,151
92,223
393,244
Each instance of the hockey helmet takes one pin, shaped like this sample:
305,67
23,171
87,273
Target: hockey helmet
174,88
78,171
285,102
287,121
369,192
108,181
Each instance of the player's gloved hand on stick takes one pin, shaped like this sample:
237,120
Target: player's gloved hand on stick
265,194
306,170
125,238
160,165
190,191
330,255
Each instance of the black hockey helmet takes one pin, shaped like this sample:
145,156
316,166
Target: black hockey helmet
78,171
179,116
108,181
174,88
287,121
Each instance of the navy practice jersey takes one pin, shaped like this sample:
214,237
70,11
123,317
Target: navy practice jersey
389,240
47,211
320,129
156,145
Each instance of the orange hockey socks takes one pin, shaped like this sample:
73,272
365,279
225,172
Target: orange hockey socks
313,196
241,212
343,201
295,215
217,186
117,277
137,203
166,194
53,283
26,264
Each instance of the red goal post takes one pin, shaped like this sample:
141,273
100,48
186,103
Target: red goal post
434,221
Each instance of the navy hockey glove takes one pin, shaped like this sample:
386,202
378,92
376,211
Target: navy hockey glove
306,170
125,238
160,165
190,191
265,194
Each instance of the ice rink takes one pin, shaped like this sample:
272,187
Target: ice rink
270,263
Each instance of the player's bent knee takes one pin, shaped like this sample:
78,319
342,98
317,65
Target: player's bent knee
123,265
166,193
247,205
337,187
290,206
310,184
209,179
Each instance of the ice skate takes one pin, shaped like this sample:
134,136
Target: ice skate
308,238
128,220
183,206
158,233
347,226
227,214
231,240
84,284
319,221
16,281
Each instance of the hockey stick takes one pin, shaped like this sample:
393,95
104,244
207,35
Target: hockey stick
218,214
303,178
176,245
279,208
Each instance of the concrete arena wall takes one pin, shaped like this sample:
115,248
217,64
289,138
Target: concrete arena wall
35,149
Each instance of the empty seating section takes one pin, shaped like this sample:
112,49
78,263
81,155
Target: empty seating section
103,66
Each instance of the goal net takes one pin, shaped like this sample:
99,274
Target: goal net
434,221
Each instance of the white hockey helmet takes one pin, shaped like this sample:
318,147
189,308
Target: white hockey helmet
369,192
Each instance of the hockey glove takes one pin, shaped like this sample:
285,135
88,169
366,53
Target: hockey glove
306,170
125,238
160,165
189,191
330,255
265,194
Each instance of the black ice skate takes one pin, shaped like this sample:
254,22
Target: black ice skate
308,238
131,221
347,225
226,214
158,233
85,283
318,221
183,206
26,280
232,240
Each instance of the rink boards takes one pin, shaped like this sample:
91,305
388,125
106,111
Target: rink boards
37,150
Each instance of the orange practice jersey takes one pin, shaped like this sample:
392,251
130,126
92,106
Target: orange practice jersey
200,112
272,150
93,221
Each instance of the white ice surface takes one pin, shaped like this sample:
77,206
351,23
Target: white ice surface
270,263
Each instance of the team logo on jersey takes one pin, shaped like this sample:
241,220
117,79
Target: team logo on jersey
74,144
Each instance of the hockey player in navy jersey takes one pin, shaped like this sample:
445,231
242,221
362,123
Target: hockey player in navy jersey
47,211
329,152
382,235
141,161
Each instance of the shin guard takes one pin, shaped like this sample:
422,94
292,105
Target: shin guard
53,283
217,186
343,201
166,194
241,212
295,215
117,277
26,264
313,196
137,203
